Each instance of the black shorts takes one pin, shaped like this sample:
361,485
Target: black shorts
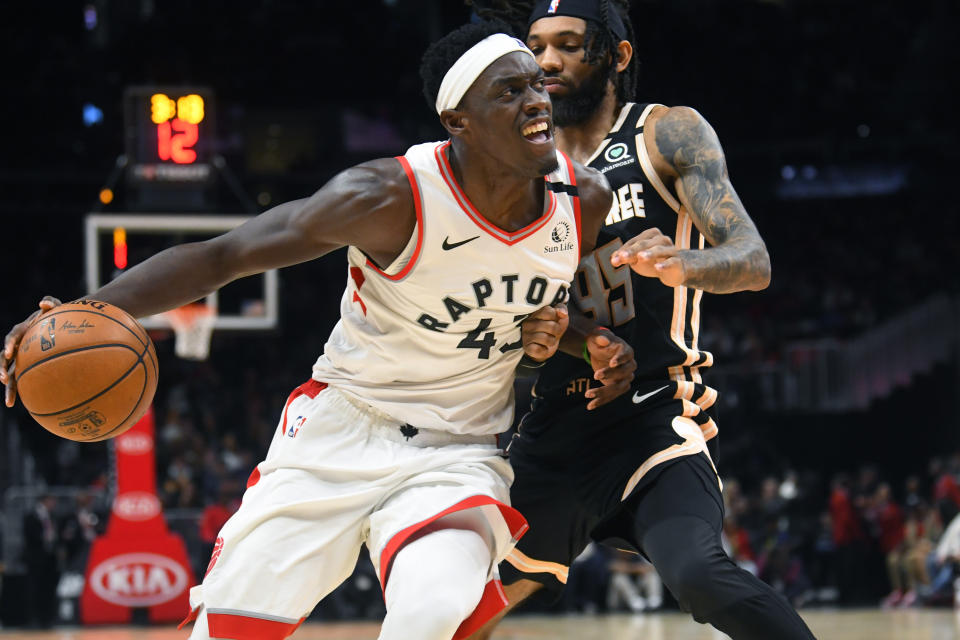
575,468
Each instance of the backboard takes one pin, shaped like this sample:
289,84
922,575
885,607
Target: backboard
115,242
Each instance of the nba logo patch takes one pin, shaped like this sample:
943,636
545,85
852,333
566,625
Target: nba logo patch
553,6
295,426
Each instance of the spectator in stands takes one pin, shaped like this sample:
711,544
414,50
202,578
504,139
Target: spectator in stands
946,493
849,540
943,565
634,582
215,515
78,531
922,530
736,542
888,519
40,557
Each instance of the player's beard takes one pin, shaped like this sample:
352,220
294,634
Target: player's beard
583,100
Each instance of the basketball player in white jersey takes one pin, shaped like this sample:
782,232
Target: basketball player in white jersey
392,442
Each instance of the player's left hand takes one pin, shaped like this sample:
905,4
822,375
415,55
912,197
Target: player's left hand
541,331
652,254
10,345
613,365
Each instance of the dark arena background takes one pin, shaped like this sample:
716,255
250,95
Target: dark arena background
839,383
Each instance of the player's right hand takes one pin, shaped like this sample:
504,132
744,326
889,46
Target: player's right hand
653,255
541,331
10,345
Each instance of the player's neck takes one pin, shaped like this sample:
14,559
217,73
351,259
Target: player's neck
579,141
499,194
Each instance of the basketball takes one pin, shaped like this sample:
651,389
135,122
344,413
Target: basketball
86,371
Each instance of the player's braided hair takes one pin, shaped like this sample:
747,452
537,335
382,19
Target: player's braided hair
440,56
600,40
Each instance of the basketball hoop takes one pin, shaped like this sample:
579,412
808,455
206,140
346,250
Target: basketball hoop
193,326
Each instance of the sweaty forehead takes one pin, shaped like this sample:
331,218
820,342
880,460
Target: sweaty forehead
511,65
546,28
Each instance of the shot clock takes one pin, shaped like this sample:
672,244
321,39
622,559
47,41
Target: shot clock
169,134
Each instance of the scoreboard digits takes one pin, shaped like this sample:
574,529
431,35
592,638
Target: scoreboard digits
169,133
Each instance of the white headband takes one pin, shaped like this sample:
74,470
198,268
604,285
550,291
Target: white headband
471,64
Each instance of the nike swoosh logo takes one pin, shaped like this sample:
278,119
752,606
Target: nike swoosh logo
637,399
447,245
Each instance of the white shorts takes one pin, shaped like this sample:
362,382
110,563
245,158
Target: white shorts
340,474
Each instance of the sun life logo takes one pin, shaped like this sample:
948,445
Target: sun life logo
616,152
560,232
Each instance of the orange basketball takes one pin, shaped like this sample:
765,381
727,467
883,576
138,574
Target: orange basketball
86,371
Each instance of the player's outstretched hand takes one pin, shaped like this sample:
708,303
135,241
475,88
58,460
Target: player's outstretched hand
10,344
541,331
613,365
652,254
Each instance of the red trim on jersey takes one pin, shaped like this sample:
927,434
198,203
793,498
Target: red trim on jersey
190,618
493,600
576,202
418,205
237,627
254,477
356,273
310,388
491,229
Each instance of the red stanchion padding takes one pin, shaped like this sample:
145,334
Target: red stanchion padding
138,563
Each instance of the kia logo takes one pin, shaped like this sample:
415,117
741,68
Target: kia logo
135,443
136,505
138,579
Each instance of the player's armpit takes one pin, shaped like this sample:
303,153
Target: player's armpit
737,260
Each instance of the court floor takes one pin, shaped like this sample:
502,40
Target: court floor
864,624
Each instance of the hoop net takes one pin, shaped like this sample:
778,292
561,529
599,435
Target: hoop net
193,326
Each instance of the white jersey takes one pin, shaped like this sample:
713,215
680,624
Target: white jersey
433,340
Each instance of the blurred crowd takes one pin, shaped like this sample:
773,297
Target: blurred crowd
858,538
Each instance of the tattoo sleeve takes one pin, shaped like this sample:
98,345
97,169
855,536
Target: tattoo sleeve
737,259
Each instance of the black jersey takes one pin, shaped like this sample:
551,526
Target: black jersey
660,323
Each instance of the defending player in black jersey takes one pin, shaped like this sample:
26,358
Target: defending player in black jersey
639,470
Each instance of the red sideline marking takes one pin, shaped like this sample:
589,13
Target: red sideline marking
310,388
491,602
225,625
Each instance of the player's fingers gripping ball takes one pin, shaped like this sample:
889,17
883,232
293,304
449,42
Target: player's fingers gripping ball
86,370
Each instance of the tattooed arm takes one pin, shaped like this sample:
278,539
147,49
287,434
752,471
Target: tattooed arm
687,155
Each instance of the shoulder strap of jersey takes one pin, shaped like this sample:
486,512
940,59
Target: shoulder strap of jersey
570,188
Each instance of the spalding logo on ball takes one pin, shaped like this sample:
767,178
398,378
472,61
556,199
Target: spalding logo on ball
86,370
